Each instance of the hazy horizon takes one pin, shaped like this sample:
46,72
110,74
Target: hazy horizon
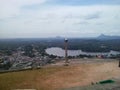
64,18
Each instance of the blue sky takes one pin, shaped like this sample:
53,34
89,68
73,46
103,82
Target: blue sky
85,2
66,18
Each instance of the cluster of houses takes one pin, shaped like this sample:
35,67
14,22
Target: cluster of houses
19,61
102,54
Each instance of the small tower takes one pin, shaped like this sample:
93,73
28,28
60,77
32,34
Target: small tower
119,63
66,52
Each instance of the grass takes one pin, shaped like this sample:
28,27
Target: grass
27,79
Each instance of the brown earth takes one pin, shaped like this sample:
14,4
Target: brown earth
57,76
84,74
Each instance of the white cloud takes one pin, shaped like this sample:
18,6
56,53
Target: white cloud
62,20
11,8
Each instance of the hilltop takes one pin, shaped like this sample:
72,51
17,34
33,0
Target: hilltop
80,72
107,37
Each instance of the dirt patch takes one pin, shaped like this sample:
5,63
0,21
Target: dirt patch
57,76
83,74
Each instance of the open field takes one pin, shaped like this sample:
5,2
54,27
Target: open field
78,74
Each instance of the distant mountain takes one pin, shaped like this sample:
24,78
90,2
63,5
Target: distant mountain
59,37
106,37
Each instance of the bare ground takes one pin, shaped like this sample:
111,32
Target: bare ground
57,76
80,73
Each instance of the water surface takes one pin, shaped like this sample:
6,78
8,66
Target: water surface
61,52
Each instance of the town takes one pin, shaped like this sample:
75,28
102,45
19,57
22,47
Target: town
33,54
18,60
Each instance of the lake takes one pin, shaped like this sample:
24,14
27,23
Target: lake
61,52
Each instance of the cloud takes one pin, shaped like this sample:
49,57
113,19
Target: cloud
93,16
58,20
81,23
11,8
99,23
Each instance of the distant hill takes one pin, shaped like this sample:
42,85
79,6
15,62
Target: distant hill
106,37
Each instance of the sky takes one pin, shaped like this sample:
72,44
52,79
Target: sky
65,18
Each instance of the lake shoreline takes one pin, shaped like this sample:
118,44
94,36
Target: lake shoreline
57,51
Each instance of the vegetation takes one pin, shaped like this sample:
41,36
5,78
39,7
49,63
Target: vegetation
89,45
29,51
106,81
5,66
